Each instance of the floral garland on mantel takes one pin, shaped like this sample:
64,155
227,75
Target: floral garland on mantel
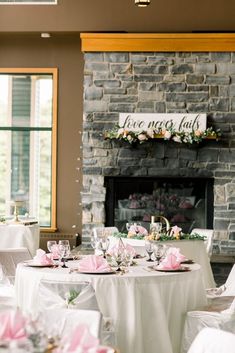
194,136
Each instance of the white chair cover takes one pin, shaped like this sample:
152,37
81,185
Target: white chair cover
211,340
9,258
63,321
227,289
208,234
58,295
7,292
107,231
220,316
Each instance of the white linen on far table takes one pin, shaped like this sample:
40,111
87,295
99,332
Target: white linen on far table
20,236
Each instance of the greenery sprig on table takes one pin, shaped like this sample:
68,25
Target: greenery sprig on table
194,136
163,236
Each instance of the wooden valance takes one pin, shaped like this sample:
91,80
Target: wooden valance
158,42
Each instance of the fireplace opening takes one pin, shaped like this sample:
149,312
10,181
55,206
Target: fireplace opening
185,202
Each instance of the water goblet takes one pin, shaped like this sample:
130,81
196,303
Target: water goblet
50,245
62,252
149,247
159,251
103,245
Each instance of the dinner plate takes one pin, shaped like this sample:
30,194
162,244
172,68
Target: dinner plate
181,269
31,264
98,273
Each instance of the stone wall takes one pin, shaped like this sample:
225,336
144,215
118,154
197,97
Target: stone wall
161,83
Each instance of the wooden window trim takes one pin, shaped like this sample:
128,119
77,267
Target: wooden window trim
54,73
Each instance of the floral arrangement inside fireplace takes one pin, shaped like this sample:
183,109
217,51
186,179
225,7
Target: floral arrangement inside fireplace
194,136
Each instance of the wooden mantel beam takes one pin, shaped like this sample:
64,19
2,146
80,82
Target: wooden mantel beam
158,42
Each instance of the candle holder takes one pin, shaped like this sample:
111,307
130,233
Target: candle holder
17,204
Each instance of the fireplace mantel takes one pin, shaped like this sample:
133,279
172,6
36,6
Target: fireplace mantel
158,42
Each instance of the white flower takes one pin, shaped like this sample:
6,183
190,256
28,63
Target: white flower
177,139
150,133
129,138
120,132
142,137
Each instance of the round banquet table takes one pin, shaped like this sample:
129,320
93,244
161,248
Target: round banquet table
147,307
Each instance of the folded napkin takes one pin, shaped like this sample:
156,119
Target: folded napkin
126,248
93,263
169,263
82,341
176,251
12,326
41,258
137,230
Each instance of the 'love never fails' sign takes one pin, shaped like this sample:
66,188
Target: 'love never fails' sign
177,122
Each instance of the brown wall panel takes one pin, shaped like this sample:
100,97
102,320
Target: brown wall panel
64,53
121,15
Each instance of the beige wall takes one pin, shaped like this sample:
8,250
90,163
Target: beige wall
120,15
62,52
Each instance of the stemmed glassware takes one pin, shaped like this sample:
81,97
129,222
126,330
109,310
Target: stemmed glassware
159,251
149,247
103,245
50,245
64,251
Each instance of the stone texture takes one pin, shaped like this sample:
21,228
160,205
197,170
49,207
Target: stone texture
159,82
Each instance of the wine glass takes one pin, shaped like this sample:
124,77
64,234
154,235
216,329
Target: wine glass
50,245
66,243
159,251
64,251
149,247
103,245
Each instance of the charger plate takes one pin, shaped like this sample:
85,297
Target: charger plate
181,269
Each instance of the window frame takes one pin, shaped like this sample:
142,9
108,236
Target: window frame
54,73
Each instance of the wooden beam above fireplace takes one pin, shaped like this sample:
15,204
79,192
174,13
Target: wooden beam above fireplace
158,42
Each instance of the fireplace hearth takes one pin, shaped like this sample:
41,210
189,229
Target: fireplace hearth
186,202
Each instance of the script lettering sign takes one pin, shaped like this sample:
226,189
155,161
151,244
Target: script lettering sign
178,122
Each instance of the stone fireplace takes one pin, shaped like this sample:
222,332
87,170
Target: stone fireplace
154,82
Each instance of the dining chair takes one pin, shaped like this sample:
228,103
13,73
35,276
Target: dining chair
219,314
107,231
54,294
7,292
226,289
74,295
62,322
211,340
10,257
208,234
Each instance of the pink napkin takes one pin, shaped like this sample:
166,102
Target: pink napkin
12,326
127,247
41,258
93,263
176,251
82,341
138,230
169,263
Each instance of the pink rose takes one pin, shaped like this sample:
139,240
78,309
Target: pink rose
167,134
197,133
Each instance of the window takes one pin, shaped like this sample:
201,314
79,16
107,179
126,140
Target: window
28,2
28,142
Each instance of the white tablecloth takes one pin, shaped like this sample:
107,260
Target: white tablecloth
20,236
192,249
147,308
